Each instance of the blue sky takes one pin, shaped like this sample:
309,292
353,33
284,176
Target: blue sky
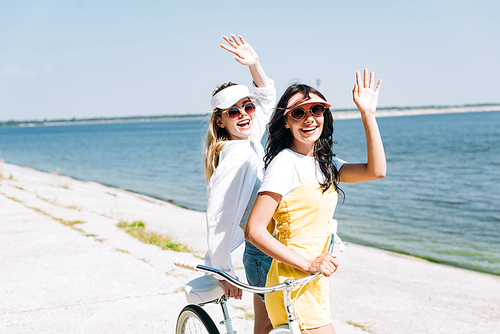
64,59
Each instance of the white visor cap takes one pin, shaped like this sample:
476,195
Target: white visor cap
229,96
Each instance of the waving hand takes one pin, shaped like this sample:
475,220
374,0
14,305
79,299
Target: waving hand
243,52
246,55
365,98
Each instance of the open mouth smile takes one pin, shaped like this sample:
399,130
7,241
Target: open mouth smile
244,124
309,130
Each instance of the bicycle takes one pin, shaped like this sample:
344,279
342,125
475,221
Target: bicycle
206,289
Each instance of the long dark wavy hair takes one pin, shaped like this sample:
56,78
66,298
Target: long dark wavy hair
280,137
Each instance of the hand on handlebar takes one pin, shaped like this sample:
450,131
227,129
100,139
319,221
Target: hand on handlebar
325,263
230,290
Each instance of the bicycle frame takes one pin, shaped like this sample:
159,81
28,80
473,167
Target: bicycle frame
287,286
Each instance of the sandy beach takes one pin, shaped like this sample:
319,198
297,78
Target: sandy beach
65,267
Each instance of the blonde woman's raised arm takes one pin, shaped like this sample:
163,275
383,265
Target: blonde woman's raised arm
246,55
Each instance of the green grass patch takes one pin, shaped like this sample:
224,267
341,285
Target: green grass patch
12,198
137,229
363,327
70,223
54,202
180,289
247,316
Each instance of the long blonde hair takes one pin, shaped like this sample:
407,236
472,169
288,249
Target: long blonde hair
216,138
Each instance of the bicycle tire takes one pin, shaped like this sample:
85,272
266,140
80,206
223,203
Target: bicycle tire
194,320
283,329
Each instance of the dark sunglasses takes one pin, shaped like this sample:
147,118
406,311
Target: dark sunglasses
234,112
316,110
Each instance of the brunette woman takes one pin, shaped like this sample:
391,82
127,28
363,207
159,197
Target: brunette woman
299,193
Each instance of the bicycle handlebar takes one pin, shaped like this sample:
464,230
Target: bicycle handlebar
289,283
253,289
185,264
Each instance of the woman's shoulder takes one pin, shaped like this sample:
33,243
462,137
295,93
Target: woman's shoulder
237,150
337,162
284,159
236,157
287,156
236,147
280,175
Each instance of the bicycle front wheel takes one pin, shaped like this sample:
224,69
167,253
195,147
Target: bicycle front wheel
194,320
283,329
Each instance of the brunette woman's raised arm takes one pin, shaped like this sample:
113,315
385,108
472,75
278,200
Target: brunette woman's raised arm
366,99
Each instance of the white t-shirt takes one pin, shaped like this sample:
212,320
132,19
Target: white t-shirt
281,175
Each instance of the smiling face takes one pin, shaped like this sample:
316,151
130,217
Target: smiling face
239,128
306,131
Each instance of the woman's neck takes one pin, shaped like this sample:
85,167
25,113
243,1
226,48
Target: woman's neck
304,149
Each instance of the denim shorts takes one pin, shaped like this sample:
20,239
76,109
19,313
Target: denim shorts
256,265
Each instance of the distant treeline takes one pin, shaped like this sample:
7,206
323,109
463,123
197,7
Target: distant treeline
96,120
169,117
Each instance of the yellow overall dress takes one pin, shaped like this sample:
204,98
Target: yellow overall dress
303,222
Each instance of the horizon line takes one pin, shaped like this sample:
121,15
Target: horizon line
173,116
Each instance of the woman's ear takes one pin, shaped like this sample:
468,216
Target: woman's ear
219,123
286,125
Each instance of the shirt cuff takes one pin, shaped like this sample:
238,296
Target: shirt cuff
263,90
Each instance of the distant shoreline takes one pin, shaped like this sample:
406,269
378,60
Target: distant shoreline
338,114
395,112
102,121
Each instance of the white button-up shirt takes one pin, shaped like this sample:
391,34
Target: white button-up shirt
232,189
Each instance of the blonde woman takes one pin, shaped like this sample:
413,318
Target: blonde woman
234,167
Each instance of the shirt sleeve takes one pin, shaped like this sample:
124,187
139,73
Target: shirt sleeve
338,163
280,176
266,99
251,202
229,191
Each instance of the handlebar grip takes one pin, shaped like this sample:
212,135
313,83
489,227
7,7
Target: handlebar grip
185,264
333,226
